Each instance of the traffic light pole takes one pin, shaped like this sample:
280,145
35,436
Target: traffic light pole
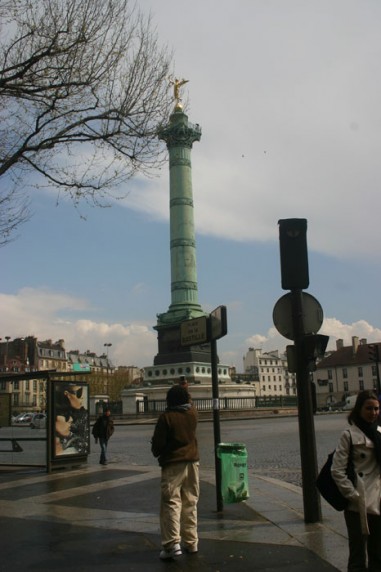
311,499
374,355
378,370
216,424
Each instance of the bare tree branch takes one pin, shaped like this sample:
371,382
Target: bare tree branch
83,91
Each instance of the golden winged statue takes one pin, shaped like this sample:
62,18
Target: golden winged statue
177,83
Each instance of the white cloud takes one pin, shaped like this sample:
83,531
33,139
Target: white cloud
50,315
331,327
289,108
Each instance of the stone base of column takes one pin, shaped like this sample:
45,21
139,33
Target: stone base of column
171,351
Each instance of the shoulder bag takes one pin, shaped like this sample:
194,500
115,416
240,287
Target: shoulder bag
327,486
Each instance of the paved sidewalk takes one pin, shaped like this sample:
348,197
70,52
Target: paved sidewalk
106,518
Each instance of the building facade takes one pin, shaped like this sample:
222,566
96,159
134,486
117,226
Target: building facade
29,354
270,368
346,371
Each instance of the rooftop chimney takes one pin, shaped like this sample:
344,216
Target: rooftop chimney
339,344
355,344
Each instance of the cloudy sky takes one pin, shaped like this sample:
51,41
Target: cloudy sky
287,93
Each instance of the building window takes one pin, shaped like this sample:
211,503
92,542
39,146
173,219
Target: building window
361,384
3,385
330,386
329,373
16,385
345,386
172,371
359,371
345,373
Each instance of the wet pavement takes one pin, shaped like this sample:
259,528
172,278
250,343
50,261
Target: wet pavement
95,518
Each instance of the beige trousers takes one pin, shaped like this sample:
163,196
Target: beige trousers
180,489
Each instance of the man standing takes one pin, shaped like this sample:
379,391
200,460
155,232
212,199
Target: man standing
174,443
103,429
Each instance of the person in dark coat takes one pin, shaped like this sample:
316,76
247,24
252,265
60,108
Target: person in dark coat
102,430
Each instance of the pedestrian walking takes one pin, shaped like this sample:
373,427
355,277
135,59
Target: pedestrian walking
103,429
183,382
174,442
361,441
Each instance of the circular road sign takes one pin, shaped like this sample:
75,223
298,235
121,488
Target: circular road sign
312,315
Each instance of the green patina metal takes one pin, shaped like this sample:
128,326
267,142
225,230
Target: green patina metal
179,136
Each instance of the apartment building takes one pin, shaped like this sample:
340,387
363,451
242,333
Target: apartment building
270,368
29,354
346,371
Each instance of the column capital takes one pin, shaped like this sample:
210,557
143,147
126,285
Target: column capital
179,132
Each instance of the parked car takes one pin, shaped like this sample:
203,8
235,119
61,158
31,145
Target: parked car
350,402
38,421
24,418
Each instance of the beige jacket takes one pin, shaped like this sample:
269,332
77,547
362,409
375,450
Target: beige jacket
365,497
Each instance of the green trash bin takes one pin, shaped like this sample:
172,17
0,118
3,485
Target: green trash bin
234,478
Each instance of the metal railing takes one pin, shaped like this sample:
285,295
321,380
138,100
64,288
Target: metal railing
155,406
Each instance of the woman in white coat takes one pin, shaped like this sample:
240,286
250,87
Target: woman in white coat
362,515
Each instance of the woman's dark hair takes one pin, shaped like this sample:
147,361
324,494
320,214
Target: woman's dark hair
177,395
62,402
354,415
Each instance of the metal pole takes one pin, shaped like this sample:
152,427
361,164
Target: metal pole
311,499
378,370
216,423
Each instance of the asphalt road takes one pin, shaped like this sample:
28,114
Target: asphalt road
272,444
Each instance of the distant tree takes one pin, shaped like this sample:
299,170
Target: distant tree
83,91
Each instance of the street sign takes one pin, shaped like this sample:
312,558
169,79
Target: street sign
312,315
194,331
219,324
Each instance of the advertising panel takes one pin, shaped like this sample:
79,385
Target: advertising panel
70,419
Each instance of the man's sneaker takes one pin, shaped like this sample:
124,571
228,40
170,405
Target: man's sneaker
191,549
169,553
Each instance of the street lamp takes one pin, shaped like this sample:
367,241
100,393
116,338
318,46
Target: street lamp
6,352
107,346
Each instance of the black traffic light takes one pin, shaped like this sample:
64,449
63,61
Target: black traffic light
293,253
292,365
373,352
313,347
